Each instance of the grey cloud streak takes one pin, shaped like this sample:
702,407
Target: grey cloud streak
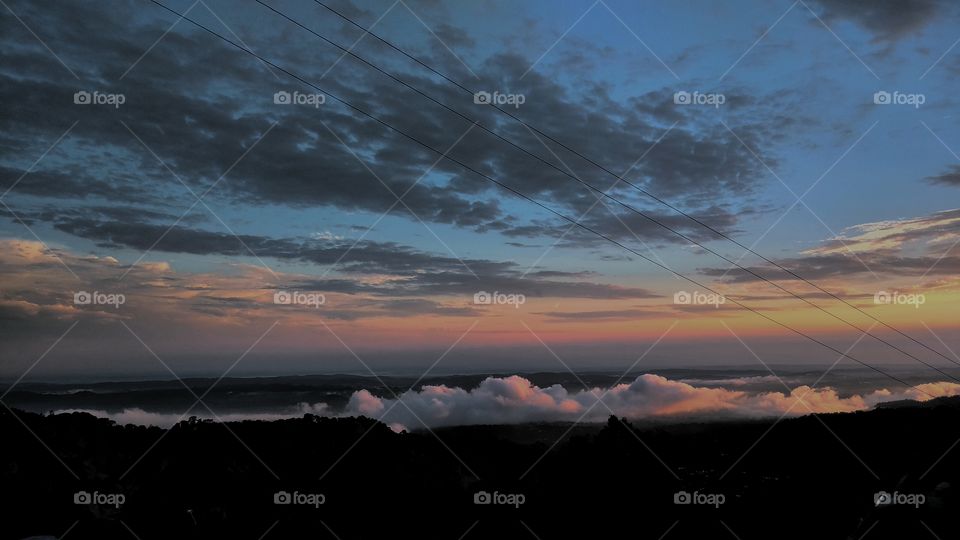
178,103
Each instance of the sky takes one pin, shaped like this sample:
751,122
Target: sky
173,205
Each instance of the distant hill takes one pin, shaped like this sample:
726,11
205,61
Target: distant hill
949,401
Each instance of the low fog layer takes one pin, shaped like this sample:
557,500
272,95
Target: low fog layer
514,399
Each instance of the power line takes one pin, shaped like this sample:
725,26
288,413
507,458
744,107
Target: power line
348,51
631,184
526,197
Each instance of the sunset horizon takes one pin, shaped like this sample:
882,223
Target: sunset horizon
522,227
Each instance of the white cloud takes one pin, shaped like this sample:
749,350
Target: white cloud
515,400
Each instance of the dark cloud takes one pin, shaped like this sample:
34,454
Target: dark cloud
949,178
627,226
422,273
68,184
407,307
201,105
453,36
225,306
365,257
887,20
515,282
510,280
603,315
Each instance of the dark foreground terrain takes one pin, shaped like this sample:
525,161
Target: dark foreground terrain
76,476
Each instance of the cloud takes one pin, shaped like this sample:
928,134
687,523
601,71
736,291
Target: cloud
141,417
619,223
839,266
199,105
70,183
904,247
365,403
949,178
413,272
887,20
892,235
603,315
515,400
737,381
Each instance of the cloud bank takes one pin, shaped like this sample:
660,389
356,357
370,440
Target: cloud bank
515,399
138,416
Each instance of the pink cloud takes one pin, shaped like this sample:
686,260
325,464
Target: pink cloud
515,399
